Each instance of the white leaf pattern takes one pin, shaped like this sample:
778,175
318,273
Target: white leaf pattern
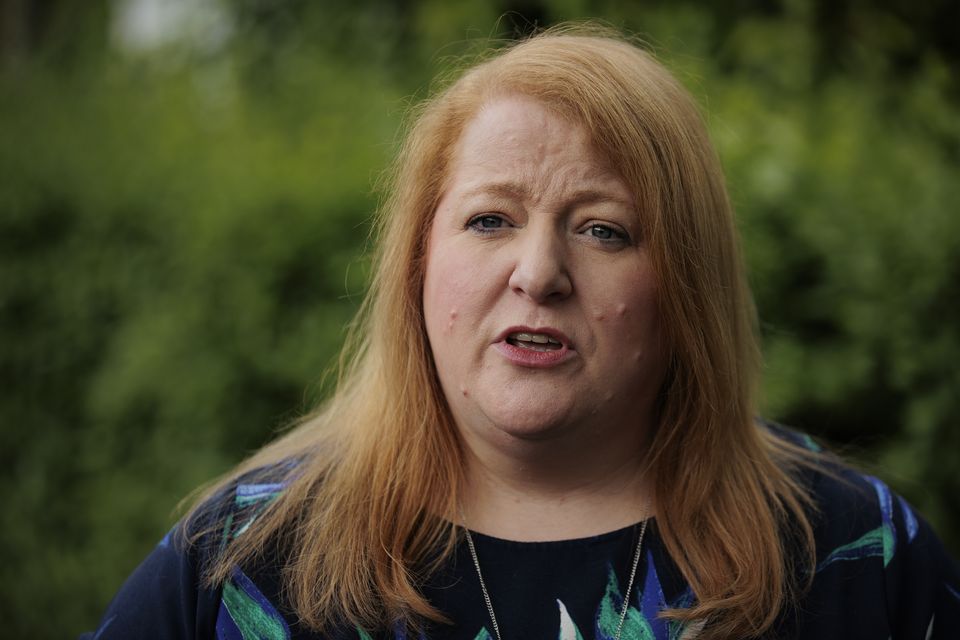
568,629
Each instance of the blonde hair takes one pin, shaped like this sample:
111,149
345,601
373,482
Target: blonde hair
367,514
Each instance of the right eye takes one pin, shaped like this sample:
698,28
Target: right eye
486,222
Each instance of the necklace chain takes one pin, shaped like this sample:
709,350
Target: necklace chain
486,593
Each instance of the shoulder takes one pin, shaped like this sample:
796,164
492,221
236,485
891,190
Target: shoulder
844,498
878,562
169,595
163,598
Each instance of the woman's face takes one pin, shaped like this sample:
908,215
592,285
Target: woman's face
539,297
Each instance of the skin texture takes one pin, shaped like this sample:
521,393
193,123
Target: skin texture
535,230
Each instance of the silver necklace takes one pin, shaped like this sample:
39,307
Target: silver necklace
486,594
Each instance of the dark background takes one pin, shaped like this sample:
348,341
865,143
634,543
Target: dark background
185,192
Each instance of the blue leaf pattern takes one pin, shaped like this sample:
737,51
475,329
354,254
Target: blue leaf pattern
652,600
909,518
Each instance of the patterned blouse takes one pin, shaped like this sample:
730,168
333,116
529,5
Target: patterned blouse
881,574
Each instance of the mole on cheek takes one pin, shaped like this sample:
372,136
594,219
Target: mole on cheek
464,392
622,310
599,315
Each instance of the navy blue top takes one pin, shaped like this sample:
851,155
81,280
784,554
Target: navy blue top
881,574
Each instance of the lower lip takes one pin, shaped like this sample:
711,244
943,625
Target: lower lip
534,359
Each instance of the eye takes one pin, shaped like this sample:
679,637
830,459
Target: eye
606,233
486,222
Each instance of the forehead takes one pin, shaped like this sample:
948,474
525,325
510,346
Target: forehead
518,139
516,114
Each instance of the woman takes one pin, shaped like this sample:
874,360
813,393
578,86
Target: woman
546,427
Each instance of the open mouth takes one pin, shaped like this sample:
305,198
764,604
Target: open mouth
534,341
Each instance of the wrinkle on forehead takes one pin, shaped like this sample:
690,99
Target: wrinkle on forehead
496,146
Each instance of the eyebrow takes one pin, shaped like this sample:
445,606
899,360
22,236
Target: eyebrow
517,190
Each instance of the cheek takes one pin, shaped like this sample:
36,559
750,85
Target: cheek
452,287
631,323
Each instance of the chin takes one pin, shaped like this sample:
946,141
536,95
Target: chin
533,427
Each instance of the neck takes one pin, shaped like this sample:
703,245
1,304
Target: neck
554,489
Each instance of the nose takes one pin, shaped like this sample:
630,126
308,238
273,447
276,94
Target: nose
540,271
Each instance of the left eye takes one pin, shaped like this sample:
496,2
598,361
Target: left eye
603,232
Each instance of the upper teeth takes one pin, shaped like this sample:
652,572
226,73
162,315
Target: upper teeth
539,338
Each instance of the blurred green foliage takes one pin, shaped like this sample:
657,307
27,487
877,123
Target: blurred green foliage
182,235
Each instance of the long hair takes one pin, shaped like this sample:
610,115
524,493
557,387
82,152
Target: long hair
367,514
